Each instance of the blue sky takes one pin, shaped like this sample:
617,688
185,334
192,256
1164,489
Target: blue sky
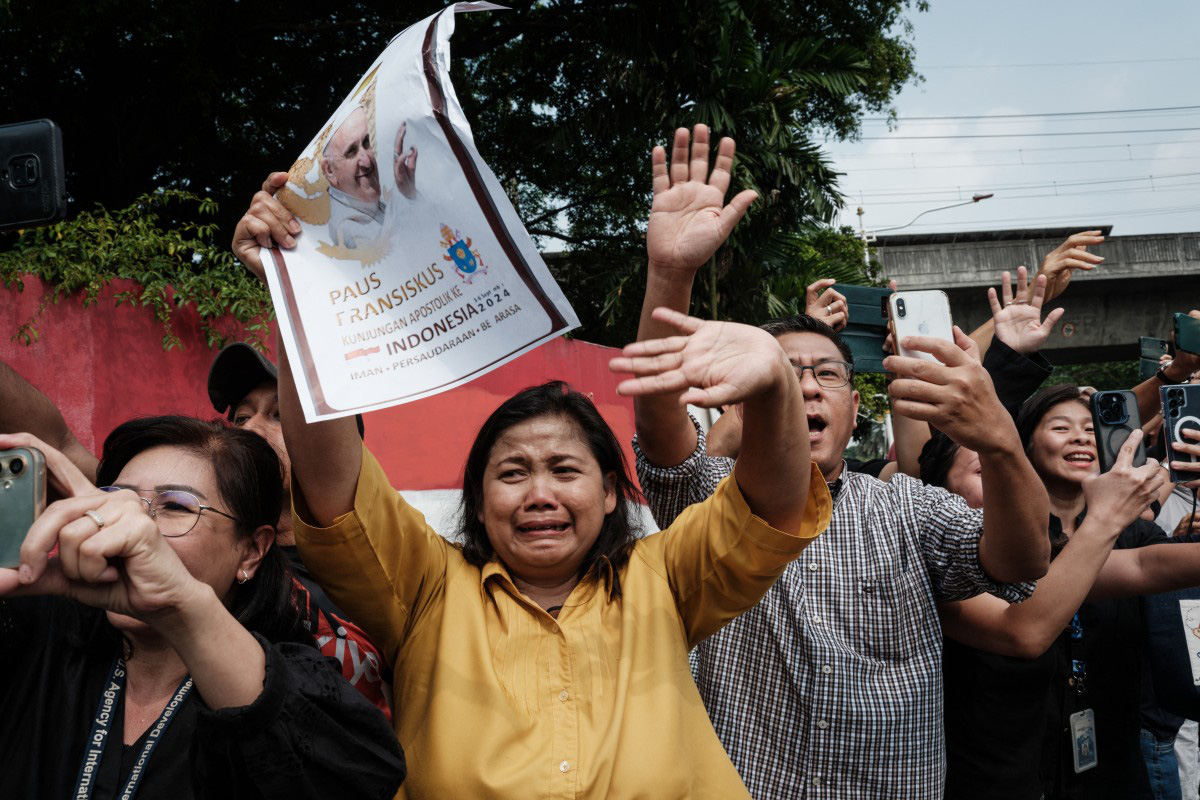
1093,57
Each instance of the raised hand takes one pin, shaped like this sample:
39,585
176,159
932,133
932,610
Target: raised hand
688,218
405,165
713,363
1060,263
1125,491
1019,322
267,223
823,302
956,396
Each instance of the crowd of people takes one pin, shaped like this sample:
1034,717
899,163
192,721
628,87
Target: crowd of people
254,611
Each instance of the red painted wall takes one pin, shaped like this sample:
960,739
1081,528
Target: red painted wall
105,364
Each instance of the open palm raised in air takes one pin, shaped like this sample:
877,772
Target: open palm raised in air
1018,321
717,363
688,218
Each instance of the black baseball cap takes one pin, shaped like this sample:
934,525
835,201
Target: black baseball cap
237,371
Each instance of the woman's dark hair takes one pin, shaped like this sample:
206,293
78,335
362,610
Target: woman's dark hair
1035,408
936,459
555,399
1030,416
250,480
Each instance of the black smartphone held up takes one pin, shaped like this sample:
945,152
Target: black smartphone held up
1181,411
22,499
1151,351
1187,334
33,189
1114,417
866,325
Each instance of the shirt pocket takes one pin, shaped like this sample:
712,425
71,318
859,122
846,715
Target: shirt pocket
888,620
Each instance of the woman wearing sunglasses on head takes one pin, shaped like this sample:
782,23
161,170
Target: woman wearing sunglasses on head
157,652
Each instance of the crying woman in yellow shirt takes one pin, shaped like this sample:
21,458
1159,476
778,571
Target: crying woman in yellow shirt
546,655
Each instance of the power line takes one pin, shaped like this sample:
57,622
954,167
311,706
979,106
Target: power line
1023,135
1092,216
1016,149
1056,64
1026,185
1181,187
1044,114
857,170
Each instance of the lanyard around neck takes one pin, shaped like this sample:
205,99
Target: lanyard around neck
102,729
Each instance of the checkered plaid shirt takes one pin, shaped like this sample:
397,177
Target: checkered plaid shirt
832,685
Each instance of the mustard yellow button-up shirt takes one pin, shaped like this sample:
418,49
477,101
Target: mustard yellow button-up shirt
495,698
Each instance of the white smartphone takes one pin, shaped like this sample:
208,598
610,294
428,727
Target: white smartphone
921,313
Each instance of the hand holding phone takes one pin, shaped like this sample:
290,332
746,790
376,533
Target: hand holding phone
1181,413
920,313
22,499
954,394
1125,492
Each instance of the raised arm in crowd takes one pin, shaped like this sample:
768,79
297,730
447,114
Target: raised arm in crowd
549,565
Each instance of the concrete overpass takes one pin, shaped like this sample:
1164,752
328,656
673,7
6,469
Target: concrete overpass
1143,280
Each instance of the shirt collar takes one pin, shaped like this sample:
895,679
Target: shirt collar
835,486
495,572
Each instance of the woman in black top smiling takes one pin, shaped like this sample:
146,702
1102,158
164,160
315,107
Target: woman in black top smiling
1009,678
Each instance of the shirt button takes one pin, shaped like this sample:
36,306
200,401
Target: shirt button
813,566
564,766
827,669
822,724
563,695
816,781
817,620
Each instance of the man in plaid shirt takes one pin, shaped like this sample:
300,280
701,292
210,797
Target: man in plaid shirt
831,686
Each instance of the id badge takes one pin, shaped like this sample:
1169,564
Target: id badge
1083,739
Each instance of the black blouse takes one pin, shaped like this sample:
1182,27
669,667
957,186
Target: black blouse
309,734
1006,718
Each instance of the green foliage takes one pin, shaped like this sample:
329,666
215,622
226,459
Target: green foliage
173,260
572,100
565,98
873,394
1103,376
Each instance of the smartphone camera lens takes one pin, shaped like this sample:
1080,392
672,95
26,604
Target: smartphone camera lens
16,466
1112,410
900,308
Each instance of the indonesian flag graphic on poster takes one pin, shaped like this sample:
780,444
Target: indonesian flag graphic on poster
412,273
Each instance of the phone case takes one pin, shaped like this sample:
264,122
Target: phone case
923,313
22,499
33,187
1151,350
1114,417
1187,334
866,325
867,305
1181,411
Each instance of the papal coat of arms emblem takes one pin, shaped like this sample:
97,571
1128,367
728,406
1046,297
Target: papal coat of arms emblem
467,261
